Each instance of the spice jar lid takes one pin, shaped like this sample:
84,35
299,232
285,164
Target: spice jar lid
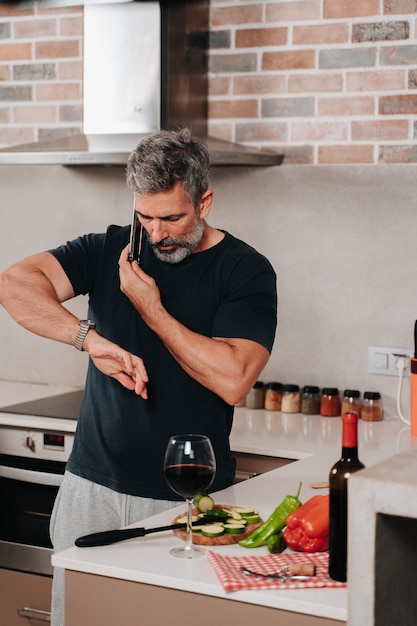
258,385
372,395
274,386
310,389
290,388
330,391
352,393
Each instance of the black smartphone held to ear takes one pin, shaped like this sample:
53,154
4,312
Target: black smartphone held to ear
135,242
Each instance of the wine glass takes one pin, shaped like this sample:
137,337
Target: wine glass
189,467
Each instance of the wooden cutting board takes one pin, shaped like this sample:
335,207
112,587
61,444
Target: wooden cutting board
224,540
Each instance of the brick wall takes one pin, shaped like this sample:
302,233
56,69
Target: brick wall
40,72
324,81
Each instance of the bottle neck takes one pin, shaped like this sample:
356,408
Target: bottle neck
350,431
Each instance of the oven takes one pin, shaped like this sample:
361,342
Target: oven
36,439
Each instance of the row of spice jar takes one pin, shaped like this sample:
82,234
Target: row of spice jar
310,400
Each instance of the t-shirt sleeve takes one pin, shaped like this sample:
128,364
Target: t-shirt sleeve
249,307
78,259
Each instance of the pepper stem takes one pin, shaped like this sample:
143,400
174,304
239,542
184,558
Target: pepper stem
299,489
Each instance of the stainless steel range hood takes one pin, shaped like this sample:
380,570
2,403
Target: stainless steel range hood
145,68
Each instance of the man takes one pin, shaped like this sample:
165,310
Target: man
175,339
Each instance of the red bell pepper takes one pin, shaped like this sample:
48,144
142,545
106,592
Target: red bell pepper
307,529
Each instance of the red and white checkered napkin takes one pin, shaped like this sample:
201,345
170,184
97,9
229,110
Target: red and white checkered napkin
232,579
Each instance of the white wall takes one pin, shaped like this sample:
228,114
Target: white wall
342,239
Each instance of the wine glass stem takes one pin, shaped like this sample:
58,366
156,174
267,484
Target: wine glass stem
189,542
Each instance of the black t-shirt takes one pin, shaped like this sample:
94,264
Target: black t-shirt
228,290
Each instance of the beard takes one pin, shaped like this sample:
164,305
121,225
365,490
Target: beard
184,247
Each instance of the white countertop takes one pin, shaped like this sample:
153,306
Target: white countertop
314,442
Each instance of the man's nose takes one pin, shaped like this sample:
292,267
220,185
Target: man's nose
158,230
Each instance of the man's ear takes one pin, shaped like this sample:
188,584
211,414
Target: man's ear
205,203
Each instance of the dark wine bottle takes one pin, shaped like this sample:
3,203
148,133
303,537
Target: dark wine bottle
338,482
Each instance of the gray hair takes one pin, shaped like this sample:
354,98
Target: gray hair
165,158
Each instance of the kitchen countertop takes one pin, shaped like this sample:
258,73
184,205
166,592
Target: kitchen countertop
312,441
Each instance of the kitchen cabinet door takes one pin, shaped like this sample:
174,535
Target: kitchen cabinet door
25,599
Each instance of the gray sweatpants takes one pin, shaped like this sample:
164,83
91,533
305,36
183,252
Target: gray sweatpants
83,507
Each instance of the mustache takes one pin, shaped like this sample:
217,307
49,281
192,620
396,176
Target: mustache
168,241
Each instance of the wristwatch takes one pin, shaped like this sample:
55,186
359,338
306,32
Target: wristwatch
85,326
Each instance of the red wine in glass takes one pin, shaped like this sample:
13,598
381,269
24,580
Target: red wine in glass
189,468
189,480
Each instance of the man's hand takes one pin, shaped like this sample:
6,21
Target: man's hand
112,360
140,288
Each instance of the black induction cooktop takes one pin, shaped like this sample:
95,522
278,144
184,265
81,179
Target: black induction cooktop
64,405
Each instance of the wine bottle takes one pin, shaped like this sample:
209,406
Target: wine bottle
338,482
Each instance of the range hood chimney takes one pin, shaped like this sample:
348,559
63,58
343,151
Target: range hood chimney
145,68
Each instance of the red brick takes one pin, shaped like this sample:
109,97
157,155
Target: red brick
320,33
8,10
399,7
397,154
71,26
315,83
221,130
288,60
297,155
249,14
35,114
233,108
5,72
292,11
340,155
261,132
15,51
398,105
57,91
14,135
385,130
250,37
31,29
346,106
319,131
259,84
352,8
243,62
5,115
219,85
70,70
57,49
412,79
382,80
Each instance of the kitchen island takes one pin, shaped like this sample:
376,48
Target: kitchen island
137,581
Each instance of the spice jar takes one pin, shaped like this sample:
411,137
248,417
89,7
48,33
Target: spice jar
255,397
351,401
291,399
310,400
330,402
273,396
371,410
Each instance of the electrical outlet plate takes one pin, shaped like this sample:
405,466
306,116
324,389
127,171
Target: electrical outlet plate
385,360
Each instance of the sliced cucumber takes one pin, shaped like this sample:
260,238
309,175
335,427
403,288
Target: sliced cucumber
197,528
252,519
184,519
203,502
234,529
246,511
213,530
219,514
234,514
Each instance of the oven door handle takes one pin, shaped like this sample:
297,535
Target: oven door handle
30,476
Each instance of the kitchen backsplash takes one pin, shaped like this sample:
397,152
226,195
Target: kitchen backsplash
342,240
323,81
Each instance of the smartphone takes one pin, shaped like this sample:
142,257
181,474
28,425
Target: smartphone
135,242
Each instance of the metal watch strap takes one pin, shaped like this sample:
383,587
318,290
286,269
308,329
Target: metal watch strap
85,326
